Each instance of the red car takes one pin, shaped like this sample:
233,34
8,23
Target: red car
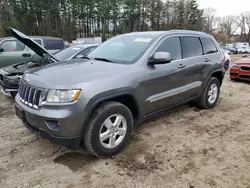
241,69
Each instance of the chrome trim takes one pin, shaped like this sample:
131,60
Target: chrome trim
173,92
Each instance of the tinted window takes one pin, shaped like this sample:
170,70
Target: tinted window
86,51
38,41
123,49
54,44
208,46
172,46
191,47
12,46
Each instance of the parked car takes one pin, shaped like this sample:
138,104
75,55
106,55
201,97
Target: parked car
242,50
233,50
226,51
241,69
10,75
14,51
227,59
129,78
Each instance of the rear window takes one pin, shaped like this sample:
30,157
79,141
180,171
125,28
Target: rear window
208,46
54,44
191,47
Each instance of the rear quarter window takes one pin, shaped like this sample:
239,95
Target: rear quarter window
208,46
54,44
191,47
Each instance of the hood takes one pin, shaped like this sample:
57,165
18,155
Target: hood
244,61
38,49
73,72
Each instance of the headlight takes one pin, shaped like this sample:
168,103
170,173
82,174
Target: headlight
63,96
235,65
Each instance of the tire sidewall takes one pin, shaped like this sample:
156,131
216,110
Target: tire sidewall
212,81
97,124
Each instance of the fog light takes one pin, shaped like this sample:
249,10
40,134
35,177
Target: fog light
52,125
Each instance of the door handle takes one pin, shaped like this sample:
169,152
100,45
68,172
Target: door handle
26,55
207,60
181,66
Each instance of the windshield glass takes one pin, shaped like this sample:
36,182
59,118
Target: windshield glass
67,52
122,49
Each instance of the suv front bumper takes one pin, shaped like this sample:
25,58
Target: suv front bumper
57,124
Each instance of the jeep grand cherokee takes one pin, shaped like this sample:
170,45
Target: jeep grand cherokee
95,102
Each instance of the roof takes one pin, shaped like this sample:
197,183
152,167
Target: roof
43,37
174,31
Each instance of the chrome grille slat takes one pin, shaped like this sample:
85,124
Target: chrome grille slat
29,95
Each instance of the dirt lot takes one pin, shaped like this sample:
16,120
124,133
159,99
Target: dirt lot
188,148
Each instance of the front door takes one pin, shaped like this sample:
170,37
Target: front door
13,51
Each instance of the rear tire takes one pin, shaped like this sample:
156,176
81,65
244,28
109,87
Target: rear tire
109,129
210,95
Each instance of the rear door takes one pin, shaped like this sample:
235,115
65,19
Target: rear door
14,51
193,60
211,53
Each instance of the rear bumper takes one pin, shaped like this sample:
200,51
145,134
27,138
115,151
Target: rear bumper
237,73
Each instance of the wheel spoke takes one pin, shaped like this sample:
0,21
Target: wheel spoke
210,93
112,141
121,131
108,123
118,121
104,136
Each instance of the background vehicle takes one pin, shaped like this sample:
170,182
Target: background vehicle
10,75
227,59
14,51
242,50
241,69
127,79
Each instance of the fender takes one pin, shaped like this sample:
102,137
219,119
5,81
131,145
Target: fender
105,96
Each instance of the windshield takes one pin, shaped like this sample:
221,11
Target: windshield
67,52
122,49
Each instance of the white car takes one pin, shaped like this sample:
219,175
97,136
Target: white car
227,59
242,50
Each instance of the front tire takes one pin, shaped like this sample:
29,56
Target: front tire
210,95
109,129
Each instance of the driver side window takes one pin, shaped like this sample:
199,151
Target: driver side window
172,46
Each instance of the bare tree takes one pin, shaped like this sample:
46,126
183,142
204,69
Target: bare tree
229,24
210,20
245,26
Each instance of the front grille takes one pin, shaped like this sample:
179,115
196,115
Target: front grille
244,68
29,95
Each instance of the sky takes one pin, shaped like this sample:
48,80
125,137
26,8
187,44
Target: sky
226,7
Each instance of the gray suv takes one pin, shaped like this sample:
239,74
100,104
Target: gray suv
95,102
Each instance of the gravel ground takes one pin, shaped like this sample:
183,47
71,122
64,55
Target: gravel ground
187,148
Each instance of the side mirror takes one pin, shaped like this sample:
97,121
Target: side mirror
160,58
1,50
79,56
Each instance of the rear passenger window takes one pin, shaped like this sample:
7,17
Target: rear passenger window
191,47
54,44
208,46
172,46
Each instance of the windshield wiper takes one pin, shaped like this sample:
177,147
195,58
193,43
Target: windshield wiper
86,57
103,59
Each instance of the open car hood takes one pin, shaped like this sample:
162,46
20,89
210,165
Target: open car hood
38,49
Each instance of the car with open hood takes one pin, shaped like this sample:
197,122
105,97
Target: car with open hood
13,51
10,75
241,69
